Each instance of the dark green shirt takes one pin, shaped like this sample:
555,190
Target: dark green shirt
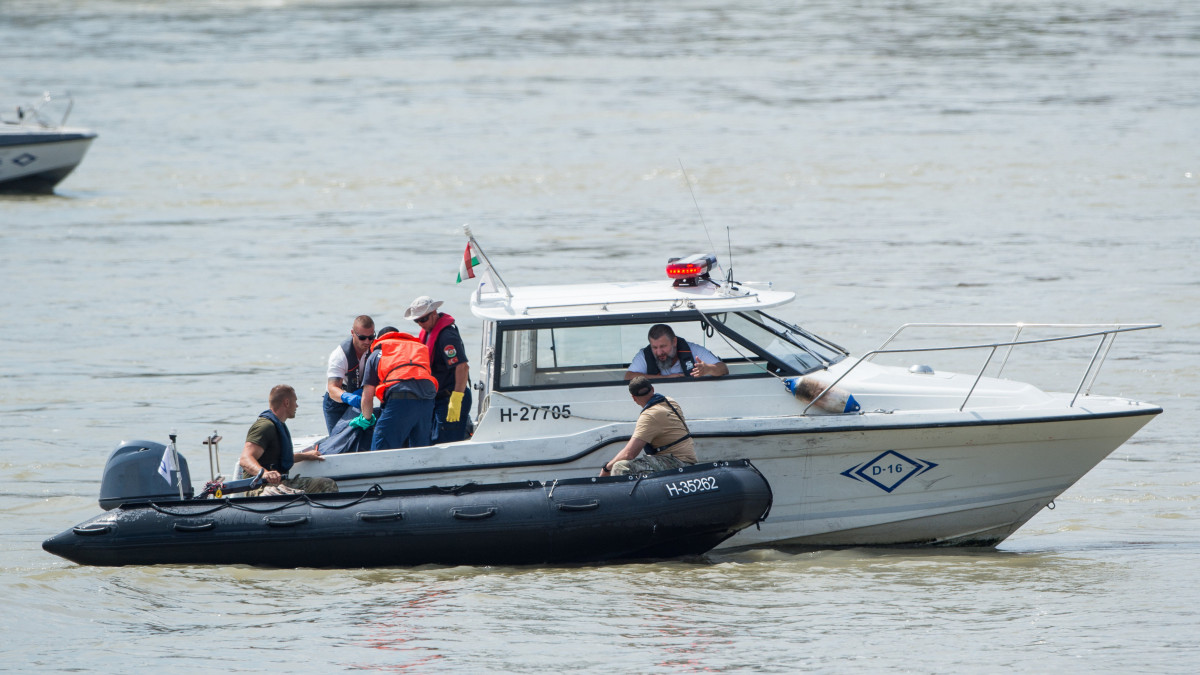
262,433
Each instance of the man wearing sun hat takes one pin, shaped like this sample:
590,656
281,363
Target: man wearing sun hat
448,358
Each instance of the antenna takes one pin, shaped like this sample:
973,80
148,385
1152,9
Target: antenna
729,244
701,213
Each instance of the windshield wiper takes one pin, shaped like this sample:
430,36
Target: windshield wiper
811,336
784,336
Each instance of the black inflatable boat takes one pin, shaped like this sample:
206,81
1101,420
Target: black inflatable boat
680,512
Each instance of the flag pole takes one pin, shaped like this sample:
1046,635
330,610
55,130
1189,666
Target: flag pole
175,461
475,244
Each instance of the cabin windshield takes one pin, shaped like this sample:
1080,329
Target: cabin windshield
791,349
589,353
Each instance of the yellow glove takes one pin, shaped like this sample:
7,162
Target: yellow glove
455,410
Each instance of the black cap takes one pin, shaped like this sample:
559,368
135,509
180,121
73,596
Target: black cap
640,386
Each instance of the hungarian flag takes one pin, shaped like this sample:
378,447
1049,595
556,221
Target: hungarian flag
466,268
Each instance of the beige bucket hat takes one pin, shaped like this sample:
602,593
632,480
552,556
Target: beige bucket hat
421,306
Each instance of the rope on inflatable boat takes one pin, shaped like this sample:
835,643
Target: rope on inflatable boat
455,489
373,492
640,476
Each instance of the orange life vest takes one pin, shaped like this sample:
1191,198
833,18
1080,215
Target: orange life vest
403,358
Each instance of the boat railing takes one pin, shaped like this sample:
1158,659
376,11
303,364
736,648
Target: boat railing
38,112
1106,332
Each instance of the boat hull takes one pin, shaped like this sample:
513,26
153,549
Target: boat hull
683,512
964,485
37,162
962,479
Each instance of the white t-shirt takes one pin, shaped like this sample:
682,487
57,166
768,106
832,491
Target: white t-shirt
638,365
338,365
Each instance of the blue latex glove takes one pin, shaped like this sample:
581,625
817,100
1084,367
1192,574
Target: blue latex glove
352,400
360,423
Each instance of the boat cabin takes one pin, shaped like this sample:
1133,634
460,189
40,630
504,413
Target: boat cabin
546,338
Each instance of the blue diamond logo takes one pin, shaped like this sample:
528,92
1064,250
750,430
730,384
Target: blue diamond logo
24,159
888,470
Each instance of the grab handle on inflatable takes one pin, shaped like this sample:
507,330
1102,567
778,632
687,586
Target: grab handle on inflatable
93,529
202,526
278,521
379,516
585,506
462,515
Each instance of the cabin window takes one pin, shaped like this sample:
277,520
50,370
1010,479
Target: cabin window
581,355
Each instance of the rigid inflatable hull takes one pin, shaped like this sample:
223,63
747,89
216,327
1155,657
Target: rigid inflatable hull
674,513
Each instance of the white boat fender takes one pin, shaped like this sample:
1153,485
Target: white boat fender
836,400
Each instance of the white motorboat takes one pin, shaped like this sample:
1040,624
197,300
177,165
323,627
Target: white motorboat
861,454
36,152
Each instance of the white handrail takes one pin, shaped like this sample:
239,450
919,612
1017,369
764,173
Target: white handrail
1107,333
33,111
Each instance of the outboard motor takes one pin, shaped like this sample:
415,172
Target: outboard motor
132,475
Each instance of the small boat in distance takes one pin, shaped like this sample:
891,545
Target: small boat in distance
38,152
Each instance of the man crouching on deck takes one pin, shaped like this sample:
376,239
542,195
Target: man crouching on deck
269,446
661,431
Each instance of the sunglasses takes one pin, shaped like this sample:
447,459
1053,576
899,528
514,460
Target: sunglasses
425,318
364,338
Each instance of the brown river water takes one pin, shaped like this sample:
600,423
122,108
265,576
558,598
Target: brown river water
267,169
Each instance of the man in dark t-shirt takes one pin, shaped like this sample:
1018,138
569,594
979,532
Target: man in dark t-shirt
268,449
448,360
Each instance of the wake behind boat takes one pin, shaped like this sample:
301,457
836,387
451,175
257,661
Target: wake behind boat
37,152
857,453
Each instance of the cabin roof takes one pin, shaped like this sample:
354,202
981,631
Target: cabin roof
624,298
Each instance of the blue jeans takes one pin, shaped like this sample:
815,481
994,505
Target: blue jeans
451,432
333,412
403,423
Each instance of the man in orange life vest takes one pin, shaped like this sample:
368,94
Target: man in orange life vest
448,360
398,375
